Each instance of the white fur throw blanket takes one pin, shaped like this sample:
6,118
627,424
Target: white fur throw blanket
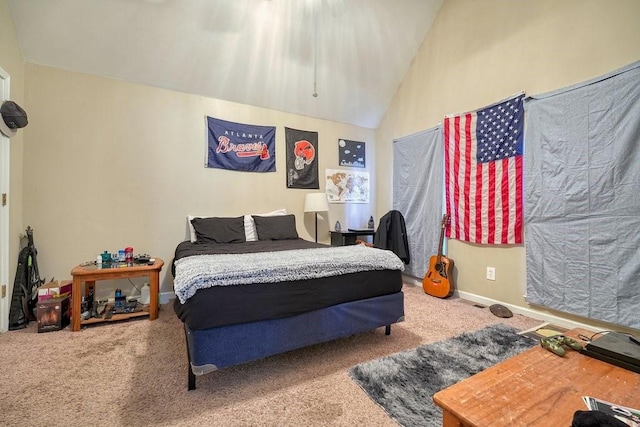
204,271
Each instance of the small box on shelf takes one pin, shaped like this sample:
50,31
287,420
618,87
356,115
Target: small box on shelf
54,289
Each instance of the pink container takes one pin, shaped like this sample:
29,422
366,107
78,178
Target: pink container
128,254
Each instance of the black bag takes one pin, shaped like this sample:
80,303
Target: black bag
595,419
25,286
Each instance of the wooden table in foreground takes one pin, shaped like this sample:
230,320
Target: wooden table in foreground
90,274
536,388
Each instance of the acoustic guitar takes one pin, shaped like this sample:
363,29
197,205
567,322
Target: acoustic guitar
438,281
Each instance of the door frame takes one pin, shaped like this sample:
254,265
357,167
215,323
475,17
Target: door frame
5,153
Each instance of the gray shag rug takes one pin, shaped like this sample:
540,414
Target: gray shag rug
404,383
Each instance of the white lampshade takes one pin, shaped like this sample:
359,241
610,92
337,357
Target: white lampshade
316,202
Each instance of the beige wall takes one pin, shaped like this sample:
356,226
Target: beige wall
11,62
110,164
479,52
113,164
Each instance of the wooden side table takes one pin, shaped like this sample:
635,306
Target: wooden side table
536,388
92,273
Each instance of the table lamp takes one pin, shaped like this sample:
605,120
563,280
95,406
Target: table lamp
316,202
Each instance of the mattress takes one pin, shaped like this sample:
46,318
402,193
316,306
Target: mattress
229,305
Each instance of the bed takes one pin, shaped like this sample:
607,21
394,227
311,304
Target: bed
243,296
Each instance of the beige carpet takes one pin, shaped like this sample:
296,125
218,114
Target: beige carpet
135,373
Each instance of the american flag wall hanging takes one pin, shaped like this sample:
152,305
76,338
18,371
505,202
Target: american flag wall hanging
483,173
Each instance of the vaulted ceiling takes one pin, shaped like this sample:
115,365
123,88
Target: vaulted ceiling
340,60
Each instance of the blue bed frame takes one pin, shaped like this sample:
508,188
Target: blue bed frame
215,348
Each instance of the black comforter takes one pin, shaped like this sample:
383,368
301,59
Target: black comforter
227,305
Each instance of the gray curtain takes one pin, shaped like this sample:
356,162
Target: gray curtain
582,198
417,193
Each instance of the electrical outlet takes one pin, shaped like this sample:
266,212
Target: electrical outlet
491,273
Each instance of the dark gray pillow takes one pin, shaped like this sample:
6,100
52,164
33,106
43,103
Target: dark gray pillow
280,227
219,230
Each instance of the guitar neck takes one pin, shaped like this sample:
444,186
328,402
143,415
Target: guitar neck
441,242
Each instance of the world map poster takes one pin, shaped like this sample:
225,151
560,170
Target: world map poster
345,186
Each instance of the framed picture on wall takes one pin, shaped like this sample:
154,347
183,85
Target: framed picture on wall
351,153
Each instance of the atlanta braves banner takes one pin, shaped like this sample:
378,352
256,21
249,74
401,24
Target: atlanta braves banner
302,158
240,147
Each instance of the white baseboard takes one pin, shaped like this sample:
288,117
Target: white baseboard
166,297
525,311
530,312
